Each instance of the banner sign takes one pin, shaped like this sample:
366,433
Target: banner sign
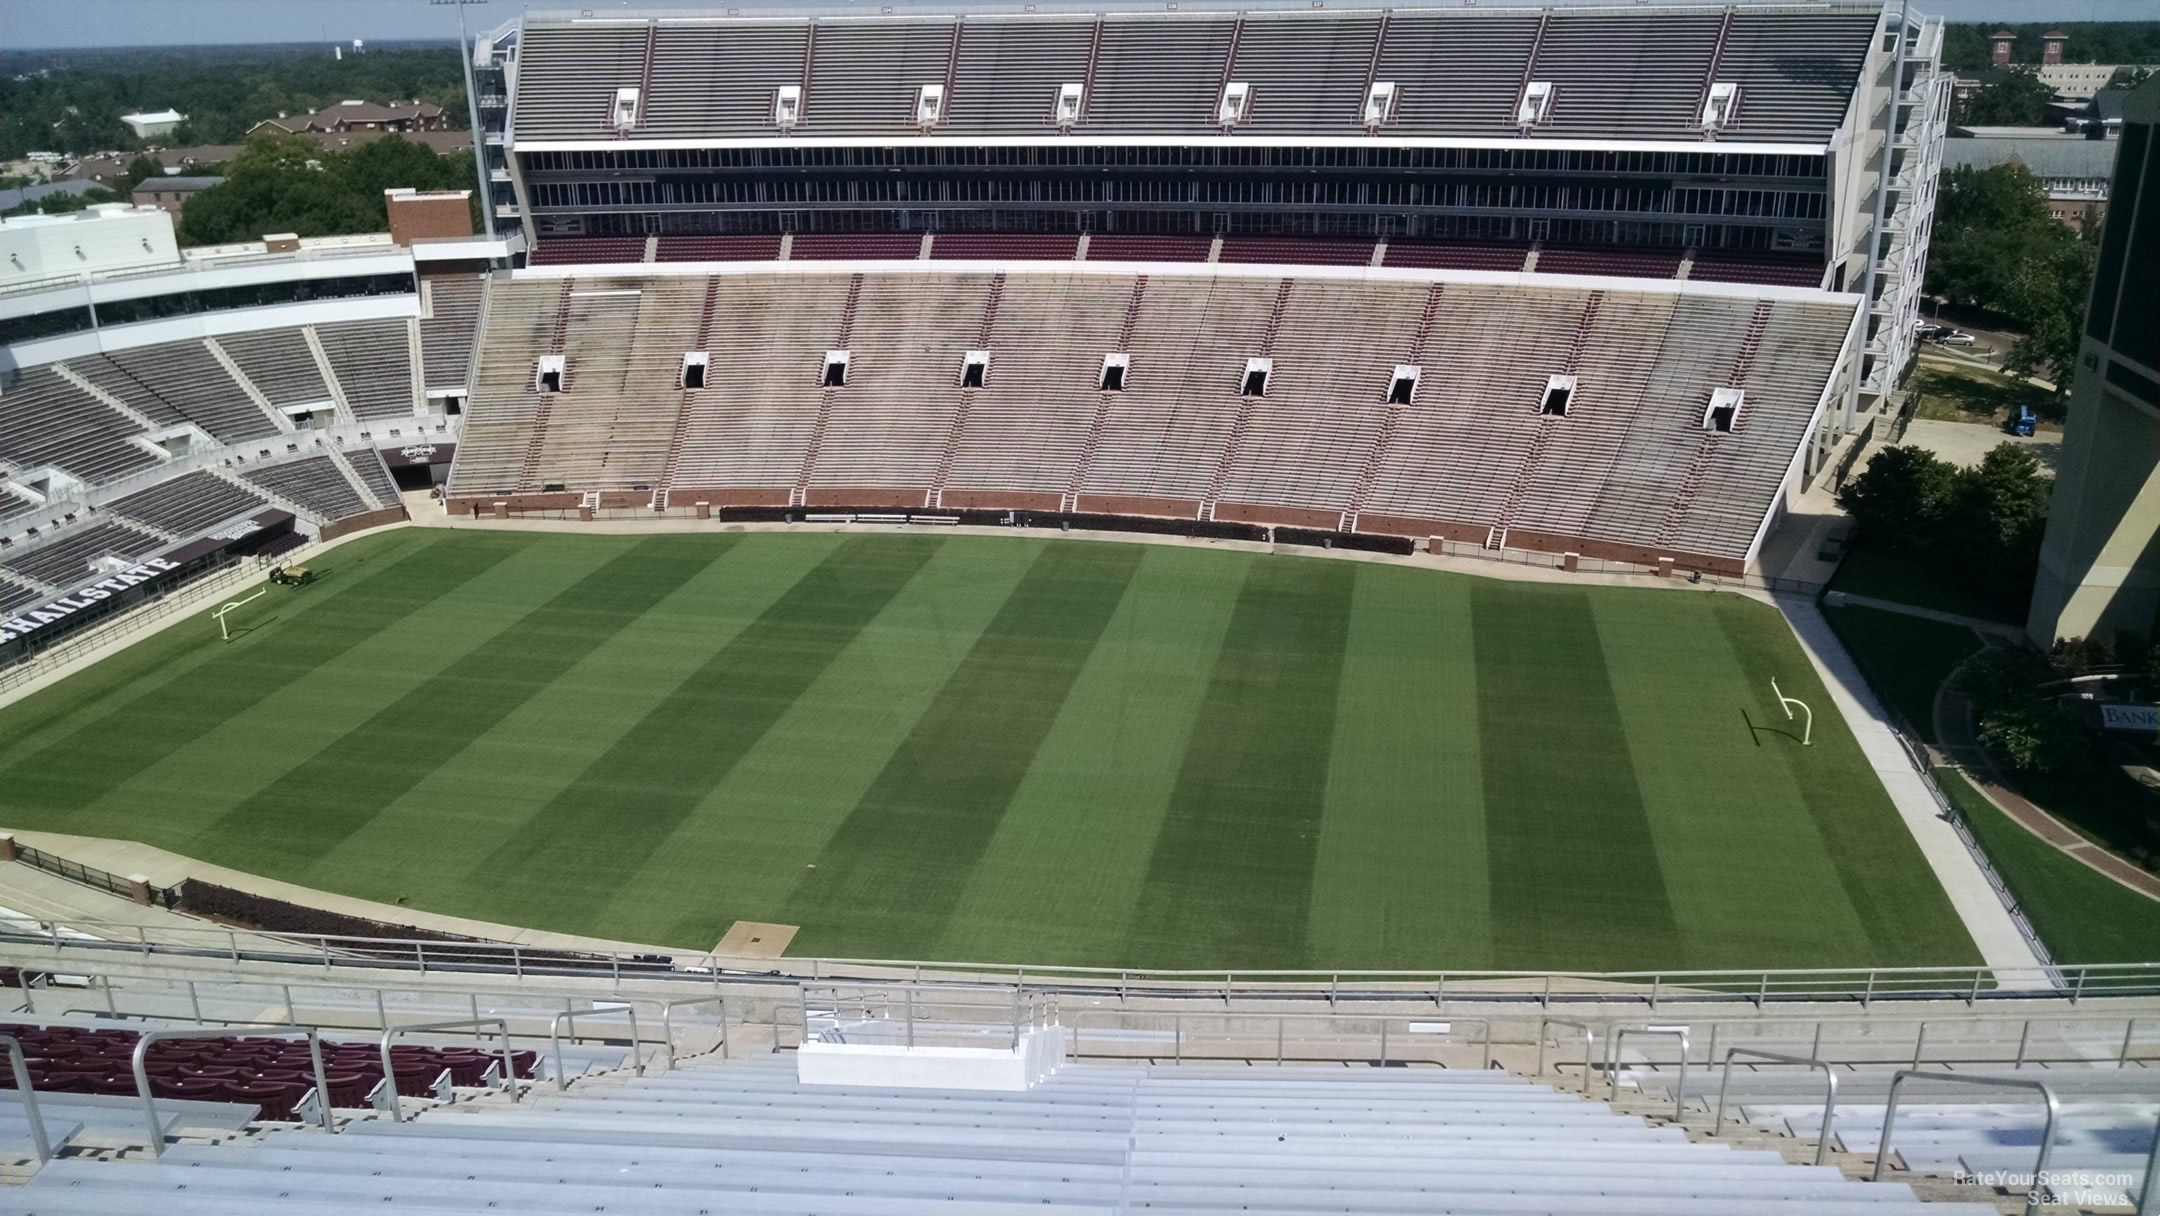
419,454
40,623
2144,718
55,611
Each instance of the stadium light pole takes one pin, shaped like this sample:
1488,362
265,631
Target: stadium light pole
472,117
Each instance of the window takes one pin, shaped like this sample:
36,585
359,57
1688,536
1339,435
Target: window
1256,377
1718,108
1536,104
929,105
1723,412
1379,103
1559,390
836,362
1113,372
1067,112
693,369
1236,98
626,108
1402,387
787,106
548,378
973,367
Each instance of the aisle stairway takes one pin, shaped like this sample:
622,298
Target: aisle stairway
747,1137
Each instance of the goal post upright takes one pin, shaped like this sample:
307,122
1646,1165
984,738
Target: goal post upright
1807,730
224,630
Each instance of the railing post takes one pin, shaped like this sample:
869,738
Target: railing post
105,982
1655,982
194,1001
910,1003
292,1016
1867,994
20,1069
1919,1042
1279,1020
2078,989
381,1015
420,953
1383,1042
2122,1058
232,941
1762,991
1177,1034
517,962
1973,998
2024,1035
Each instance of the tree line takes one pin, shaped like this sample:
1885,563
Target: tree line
71,102
1995,247
1970,46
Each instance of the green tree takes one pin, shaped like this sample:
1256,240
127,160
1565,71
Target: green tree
1997,248
1993,517
62,203
1898,501
283,183
2015,100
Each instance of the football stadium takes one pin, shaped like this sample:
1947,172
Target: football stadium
933,588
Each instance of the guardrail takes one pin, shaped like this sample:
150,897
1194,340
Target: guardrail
2047,1131
19,1070
1973,985
149,1101
1829,1105
101,880
1369,1038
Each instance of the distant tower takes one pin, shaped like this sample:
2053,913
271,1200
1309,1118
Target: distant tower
358,45
2002,40
2051,44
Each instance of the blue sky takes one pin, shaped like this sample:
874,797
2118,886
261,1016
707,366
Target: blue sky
26,24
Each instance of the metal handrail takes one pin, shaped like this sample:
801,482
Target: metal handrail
142,1071
21,1069
1589,1047
2047,1133
667,1024
333,950
1829,1104
555,1037
1612,1054
501,1025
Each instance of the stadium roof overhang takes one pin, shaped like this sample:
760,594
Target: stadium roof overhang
1250,270
1053,139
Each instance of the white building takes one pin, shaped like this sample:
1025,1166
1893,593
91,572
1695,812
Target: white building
103,236
151,125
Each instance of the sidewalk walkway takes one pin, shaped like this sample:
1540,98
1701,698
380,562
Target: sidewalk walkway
1959,748
1979,623
1993,931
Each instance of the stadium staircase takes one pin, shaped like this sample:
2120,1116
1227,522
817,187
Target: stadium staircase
747,1136
1698,470
536,444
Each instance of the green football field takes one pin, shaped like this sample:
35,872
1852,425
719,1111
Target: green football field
1004,749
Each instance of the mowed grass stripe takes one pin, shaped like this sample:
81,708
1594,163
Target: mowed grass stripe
103,753
1400,877
1719,799
1064,872
770,817
648,783
335,792
1230,880
1576,881
901,861
1906,916
472,806
176,651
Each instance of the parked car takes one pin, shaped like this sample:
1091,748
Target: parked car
2022,422
1956,337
